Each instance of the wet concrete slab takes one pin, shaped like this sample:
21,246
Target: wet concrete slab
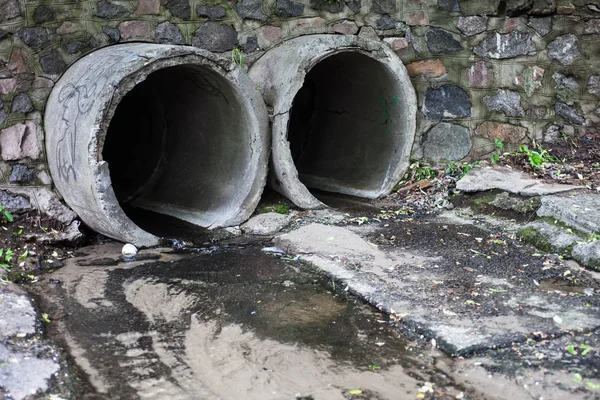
465,285
229,323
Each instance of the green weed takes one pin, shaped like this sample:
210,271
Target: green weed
537,158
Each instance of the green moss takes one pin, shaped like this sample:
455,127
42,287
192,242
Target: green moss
535,238
279,208
565,227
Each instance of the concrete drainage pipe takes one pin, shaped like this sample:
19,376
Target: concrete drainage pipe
167,129
343,115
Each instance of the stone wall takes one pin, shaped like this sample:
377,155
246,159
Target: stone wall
525,71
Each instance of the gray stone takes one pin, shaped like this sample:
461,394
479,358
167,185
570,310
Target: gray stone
326,5
449,5
568,113
588,254
180,9
449,101
592,27
509,45
17,315
289,9
215,37
266,224
505,201
593,85
99,40
383,6
108,10
506,102
543,25
36,38
3,116
567,88
547,237
354,5
472,25
515,8
9,9
73,46
448,142
21,174
579,211
385,22
564,49
168,33
22,375
543,7
441,41
53,63
22,104
212,13
483,178
251,9
43,14
417,42
114,34
14,203
552,134
251,45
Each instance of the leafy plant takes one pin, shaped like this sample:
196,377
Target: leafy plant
418,172
237,57
499,143
8,216
460,170
537,158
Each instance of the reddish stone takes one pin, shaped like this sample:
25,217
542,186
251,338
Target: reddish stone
480,75
396,43
346,28
511,24
18,63
303,25
8,85
136,29
68,27
427,68
566,9
19,141
41,82
507,132
148,7
417,18
268,36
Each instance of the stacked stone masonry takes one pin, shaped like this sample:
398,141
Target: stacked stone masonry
518,70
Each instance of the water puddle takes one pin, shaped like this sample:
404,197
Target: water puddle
229,324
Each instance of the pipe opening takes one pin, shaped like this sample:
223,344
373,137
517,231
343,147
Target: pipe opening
344,124
177,146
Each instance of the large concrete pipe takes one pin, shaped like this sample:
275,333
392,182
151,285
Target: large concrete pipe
343,115
169,129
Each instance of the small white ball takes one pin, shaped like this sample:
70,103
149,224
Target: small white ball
129,250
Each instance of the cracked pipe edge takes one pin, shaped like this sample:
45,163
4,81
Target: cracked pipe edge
78,113
279,74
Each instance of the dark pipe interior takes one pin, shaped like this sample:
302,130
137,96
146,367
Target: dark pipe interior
176,146
342,124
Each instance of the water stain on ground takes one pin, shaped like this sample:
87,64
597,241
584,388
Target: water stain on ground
228,324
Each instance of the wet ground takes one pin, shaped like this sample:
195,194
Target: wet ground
476,314
229,323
